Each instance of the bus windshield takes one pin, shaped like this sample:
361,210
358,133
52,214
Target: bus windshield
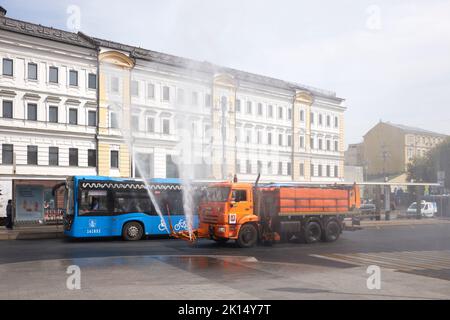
217,194
68,198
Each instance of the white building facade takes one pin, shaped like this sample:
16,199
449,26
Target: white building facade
67,100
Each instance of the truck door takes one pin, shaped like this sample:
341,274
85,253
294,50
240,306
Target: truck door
241,204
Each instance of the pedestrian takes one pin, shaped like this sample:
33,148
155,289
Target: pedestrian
9,219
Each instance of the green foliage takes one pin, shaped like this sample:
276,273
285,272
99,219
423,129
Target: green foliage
425,168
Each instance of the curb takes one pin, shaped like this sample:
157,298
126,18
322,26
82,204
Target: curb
31,235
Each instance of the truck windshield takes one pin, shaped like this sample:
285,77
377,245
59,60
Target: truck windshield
217,194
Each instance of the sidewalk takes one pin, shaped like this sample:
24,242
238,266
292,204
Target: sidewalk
366,224
32,232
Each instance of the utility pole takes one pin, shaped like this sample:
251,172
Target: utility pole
385,155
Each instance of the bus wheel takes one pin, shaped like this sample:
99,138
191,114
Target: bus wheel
248,236
312,232
332,231
132,231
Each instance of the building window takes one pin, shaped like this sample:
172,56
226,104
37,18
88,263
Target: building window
302,115
114,123
92,158
302,142
53,114
32,155
73,116
280,113
313,173
208,100
115,159
134,88
195,98
7,109
166,126
53,156
260,109
92,118
336,122
289,168
32,112
248,166
151,125
92,81
269,167
259,165
280,168
312,118
270,111
302,169
32,71
289,114
320,170
135,122
289,140
328,121
336,172
328,171
259,137
320,119
312,143
73,78
53,75
7,153
180,96
280,139
238,105
151,91
115,84
269,138
328,145
320,144
336,146
8,67
166,93
73,157
248,137
249,107
238,167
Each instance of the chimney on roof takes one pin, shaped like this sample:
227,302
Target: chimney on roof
2,11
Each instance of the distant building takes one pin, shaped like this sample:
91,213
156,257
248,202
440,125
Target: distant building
354,156
353,174
389,147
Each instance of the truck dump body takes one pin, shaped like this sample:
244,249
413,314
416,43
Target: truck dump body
300,200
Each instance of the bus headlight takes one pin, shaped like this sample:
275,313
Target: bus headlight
232,218
221,229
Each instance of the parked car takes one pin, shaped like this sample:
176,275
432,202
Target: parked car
369,209
427,209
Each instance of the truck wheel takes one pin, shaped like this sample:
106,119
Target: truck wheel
332,231
248,236
132,231
312,232
221,240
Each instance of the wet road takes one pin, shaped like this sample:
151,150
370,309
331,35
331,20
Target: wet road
406,254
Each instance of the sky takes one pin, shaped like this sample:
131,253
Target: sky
390,60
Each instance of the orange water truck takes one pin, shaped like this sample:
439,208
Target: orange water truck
250,213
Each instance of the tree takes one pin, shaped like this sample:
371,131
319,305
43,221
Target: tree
425,168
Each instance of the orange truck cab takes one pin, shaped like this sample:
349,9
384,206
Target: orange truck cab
249,213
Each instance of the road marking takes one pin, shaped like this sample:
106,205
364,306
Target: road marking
401,260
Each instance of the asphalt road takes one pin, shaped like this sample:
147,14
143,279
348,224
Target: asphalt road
409,254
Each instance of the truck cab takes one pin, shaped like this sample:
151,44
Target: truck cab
226,212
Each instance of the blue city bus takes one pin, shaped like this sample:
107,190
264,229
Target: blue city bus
115,207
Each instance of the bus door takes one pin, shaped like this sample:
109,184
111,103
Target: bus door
94,217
